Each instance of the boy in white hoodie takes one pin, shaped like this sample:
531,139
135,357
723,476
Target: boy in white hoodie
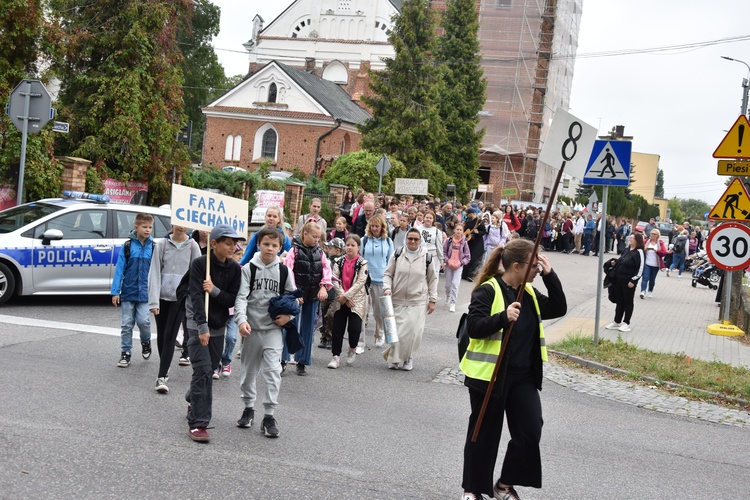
263,338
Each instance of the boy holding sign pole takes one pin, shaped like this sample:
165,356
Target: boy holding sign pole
214,283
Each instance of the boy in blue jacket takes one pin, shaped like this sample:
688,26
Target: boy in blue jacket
130,287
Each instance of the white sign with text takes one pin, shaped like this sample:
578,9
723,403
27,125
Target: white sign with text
203,210
411,186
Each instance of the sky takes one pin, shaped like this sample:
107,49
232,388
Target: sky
676,103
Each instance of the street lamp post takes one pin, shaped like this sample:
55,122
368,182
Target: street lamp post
745,84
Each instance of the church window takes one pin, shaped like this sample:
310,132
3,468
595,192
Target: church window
272,92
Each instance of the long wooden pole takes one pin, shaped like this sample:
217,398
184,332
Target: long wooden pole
519,298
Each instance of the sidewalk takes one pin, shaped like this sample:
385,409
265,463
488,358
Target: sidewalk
674,320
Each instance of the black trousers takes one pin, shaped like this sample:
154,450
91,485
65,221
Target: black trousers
167,325
199,394
340,319
522,466
568,241
624,304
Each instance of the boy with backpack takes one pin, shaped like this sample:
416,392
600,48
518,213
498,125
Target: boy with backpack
206,328
263,278
130,287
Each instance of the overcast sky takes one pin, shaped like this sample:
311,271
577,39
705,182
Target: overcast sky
676,103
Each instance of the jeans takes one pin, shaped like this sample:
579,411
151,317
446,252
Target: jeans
649,278
200,395
678,260
134,313
587,244
306,323
231,341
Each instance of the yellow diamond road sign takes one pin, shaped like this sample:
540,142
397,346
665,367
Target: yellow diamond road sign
736,144
734,204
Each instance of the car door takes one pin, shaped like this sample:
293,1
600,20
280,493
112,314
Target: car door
78,263
123,222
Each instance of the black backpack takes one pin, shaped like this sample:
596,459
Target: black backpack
462,334
339,262
679,245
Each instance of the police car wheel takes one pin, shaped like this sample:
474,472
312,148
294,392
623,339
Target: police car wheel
7,283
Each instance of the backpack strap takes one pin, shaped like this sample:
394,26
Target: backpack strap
126,251
283,276
253,268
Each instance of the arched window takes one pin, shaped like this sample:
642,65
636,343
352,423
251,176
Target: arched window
229,148
272,91
269,144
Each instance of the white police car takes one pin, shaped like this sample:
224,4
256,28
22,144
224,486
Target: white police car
66,245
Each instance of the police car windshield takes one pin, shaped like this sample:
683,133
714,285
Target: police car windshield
18,217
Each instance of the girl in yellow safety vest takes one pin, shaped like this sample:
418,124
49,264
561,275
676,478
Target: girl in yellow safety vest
516,391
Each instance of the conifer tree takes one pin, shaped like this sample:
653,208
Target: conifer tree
463,94
406,119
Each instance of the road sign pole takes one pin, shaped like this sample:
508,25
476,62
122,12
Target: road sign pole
600,272
24,137
728,293
380,183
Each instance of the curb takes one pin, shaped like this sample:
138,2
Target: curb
593,365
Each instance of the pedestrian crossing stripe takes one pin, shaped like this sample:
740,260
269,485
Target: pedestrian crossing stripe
736,144
609,164
734,204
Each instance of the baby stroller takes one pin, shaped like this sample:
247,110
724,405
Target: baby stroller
695,260
707,275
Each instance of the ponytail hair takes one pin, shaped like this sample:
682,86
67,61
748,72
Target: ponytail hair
502,257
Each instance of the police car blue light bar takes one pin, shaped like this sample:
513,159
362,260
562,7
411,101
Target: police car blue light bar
101,198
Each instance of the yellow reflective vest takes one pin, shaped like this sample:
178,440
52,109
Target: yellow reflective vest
481,355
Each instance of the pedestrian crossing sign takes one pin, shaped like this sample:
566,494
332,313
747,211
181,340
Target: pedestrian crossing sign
609,164
734,204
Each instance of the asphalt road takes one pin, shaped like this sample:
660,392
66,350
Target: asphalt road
76,426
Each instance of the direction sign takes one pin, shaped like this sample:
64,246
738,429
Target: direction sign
733,167
609,164
569,140
736,144
728,246
61,127
39,105
734,204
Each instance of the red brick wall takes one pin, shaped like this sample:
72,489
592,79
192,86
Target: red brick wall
296,147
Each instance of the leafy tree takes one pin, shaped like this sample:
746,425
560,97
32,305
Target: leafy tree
229,183
406,122
583,192
21,27
357,169
659,192
675,209
694,209
204,76
463,94
119,63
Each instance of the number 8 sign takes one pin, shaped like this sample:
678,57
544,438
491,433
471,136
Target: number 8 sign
571,140
728,246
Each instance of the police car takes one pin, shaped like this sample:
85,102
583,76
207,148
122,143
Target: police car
66,245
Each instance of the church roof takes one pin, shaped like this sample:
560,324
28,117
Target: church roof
333,98
397,4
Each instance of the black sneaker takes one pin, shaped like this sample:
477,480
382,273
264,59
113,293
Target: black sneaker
146,352
268,427
301,370
124,360
323,343
246,420
283,367
329,344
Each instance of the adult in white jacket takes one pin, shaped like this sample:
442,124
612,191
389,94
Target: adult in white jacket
412,285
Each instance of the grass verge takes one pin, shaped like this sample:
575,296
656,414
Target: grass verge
728,382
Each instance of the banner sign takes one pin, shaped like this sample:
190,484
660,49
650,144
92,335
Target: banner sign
203,210
411,186
128,193
266,199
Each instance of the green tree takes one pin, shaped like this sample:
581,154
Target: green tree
659,191
675,209
357,169
204,76
406,122
122,85
694,209
21,27
463,94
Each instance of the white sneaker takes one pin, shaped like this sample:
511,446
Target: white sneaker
452,308
380,342
361,347
447,300
161,386
393,366
408,365
643,294
624,327
216,374
612,326
650,294
351,356
334,363
679,276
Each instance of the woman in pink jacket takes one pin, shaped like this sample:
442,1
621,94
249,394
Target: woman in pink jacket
456,254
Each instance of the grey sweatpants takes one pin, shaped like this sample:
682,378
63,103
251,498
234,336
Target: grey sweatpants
261,351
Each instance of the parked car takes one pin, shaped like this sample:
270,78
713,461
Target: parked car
664,228
641,226
66,245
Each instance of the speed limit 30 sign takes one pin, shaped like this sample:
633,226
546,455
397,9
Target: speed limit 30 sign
728,246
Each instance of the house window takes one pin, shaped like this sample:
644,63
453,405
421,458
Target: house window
272,92
233,148
269,144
